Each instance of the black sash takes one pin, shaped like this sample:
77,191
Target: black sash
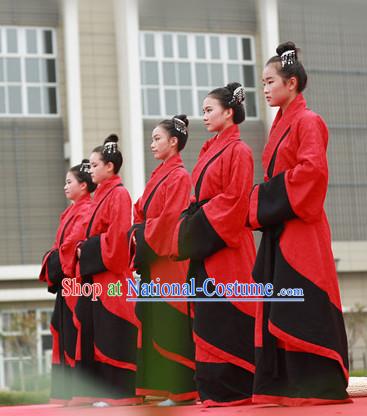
263,272
54,265
63,231
149,200
95,211
201,177
272,162
193,207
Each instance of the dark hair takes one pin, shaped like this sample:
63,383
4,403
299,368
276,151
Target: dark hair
177,129
225,96
81,175
110,154
288,70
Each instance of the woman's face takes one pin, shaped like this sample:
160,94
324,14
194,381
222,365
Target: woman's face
163,146
73,189
216,118
99,171
277,91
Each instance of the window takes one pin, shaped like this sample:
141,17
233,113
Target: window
25,345
179,69
28,80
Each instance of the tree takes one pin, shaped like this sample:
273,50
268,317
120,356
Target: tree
355,322
20,340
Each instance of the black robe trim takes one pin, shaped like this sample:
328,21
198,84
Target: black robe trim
316,312
315,321
91,257
103,381
229,325
274,157
117,383
55,274
232,330
197,239
62,321
308,376
273,203
221,324
113,336
144,254
223,382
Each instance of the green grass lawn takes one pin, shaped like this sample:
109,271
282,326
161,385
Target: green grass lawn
358,373
11,398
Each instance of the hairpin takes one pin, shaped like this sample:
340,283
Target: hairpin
239,95
179,125
288,58
85,167
110,148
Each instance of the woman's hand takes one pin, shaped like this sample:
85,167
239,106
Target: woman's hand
79,249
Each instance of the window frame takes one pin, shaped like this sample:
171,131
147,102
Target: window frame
41,365
22,55
224,60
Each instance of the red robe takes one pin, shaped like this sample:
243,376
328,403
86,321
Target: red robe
108,327
213,234
166,357
58,263
304,343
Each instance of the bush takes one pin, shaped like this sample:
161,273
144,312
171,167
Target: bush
358,373
32,383
11,398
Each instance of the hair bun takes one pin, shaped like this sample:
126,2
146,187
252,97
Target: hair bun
111,138
232,86
182,117
238,93
286,46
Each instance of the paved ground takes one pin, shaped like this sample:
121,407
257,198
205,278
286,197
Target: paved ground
357,408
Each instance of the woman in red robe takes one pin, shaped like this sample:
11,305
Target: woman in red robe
301,347
59,263
107,327
212,234
166,356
